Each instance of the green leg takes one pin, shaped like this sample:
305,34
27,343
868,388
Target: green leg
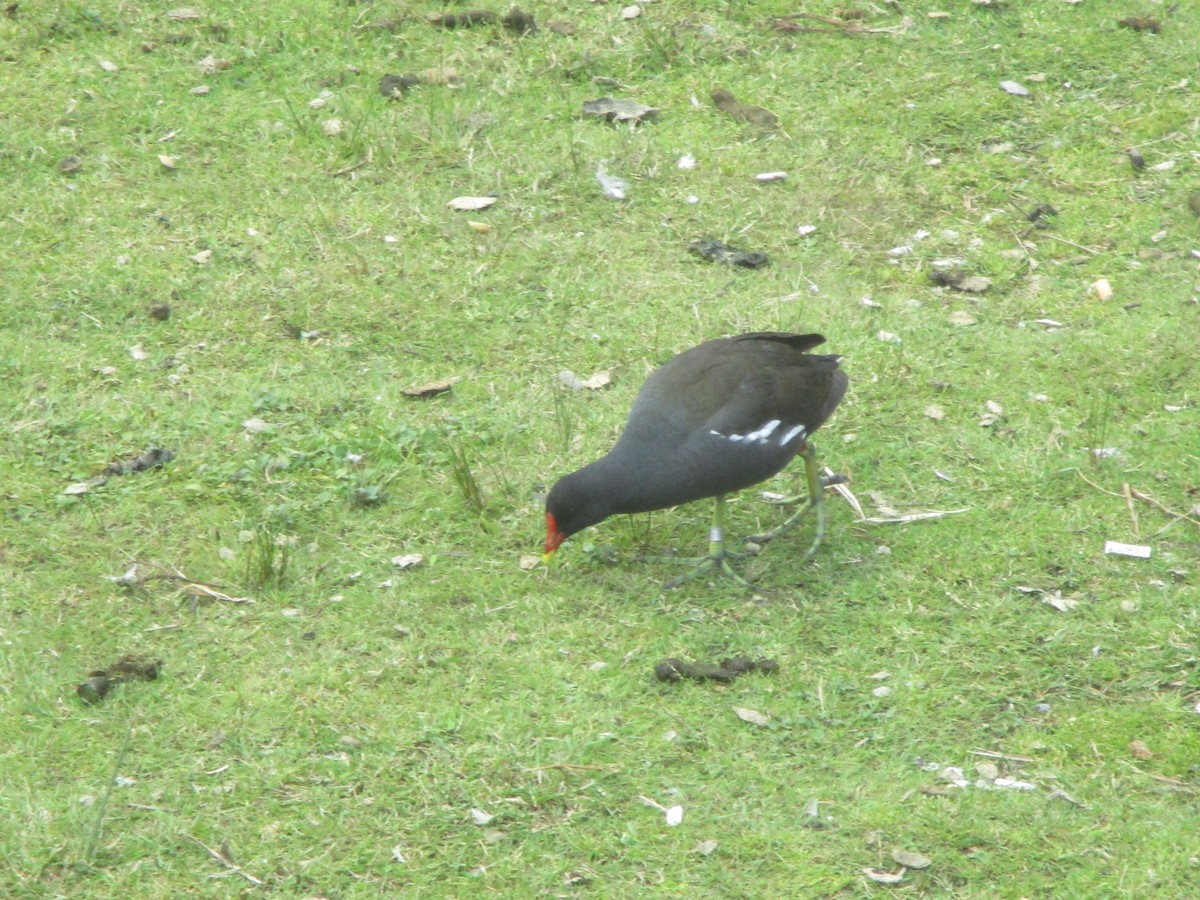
815,499
718,557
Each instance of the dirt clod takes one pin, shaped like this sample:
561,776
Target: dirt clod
743,112
130,667
716,251
155,456
671,670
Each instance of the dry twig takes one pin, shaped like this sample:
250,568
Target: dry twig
224,860
849,497
1128,493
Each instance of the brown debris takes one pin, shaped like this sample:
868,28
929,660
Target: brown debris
672,670
432,389
394,86
515,20
1141,23
744,112
716,251
958,280
520,22
844,21
152,458
467,19
128,668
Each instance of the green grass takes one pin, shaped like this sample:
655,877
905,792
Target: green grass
336,733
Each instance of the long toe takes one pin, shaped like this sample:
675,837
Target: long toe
787,526
718,565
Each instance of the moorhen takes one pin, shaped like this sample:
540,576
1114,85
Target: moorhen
720,417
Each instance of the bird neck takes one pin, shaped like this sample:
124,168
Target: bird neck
635,482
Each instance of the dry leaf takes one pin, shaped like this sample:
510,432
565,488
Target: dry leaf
168,162
108,65
935,412
959,317
987,770
594,383
479,817
332,127
881,504
444,76
1140,750
770,176
1014,784
1059,602
620,110
911,859
994,407
200,90
203,258
884,877
470,204
79,487
210,65
138,352
1014,88
887,337
409,561
255,426
183,14
480,227
750,715
631,12
529,562
432,388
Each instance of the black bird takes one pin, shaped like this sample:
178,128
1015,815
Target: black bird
720,417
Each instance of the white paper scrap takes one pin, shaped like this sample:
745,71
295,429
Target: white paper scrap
1138,550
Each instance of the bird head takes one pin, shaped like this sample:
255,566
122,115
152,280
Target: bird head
554,537
576,501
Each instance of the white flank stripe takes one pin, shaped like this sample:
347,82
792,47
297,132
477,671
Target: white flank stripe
762,434
765,432
799,429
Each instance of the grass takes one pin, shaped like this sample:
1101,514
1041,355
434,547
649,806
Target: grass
332,737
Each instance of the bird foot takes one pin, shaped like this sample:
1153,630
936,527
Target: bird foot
825,482
757,540
718,565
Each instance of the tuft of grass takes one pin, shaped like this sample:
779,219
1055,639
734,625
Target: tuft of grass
463,477
268,556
